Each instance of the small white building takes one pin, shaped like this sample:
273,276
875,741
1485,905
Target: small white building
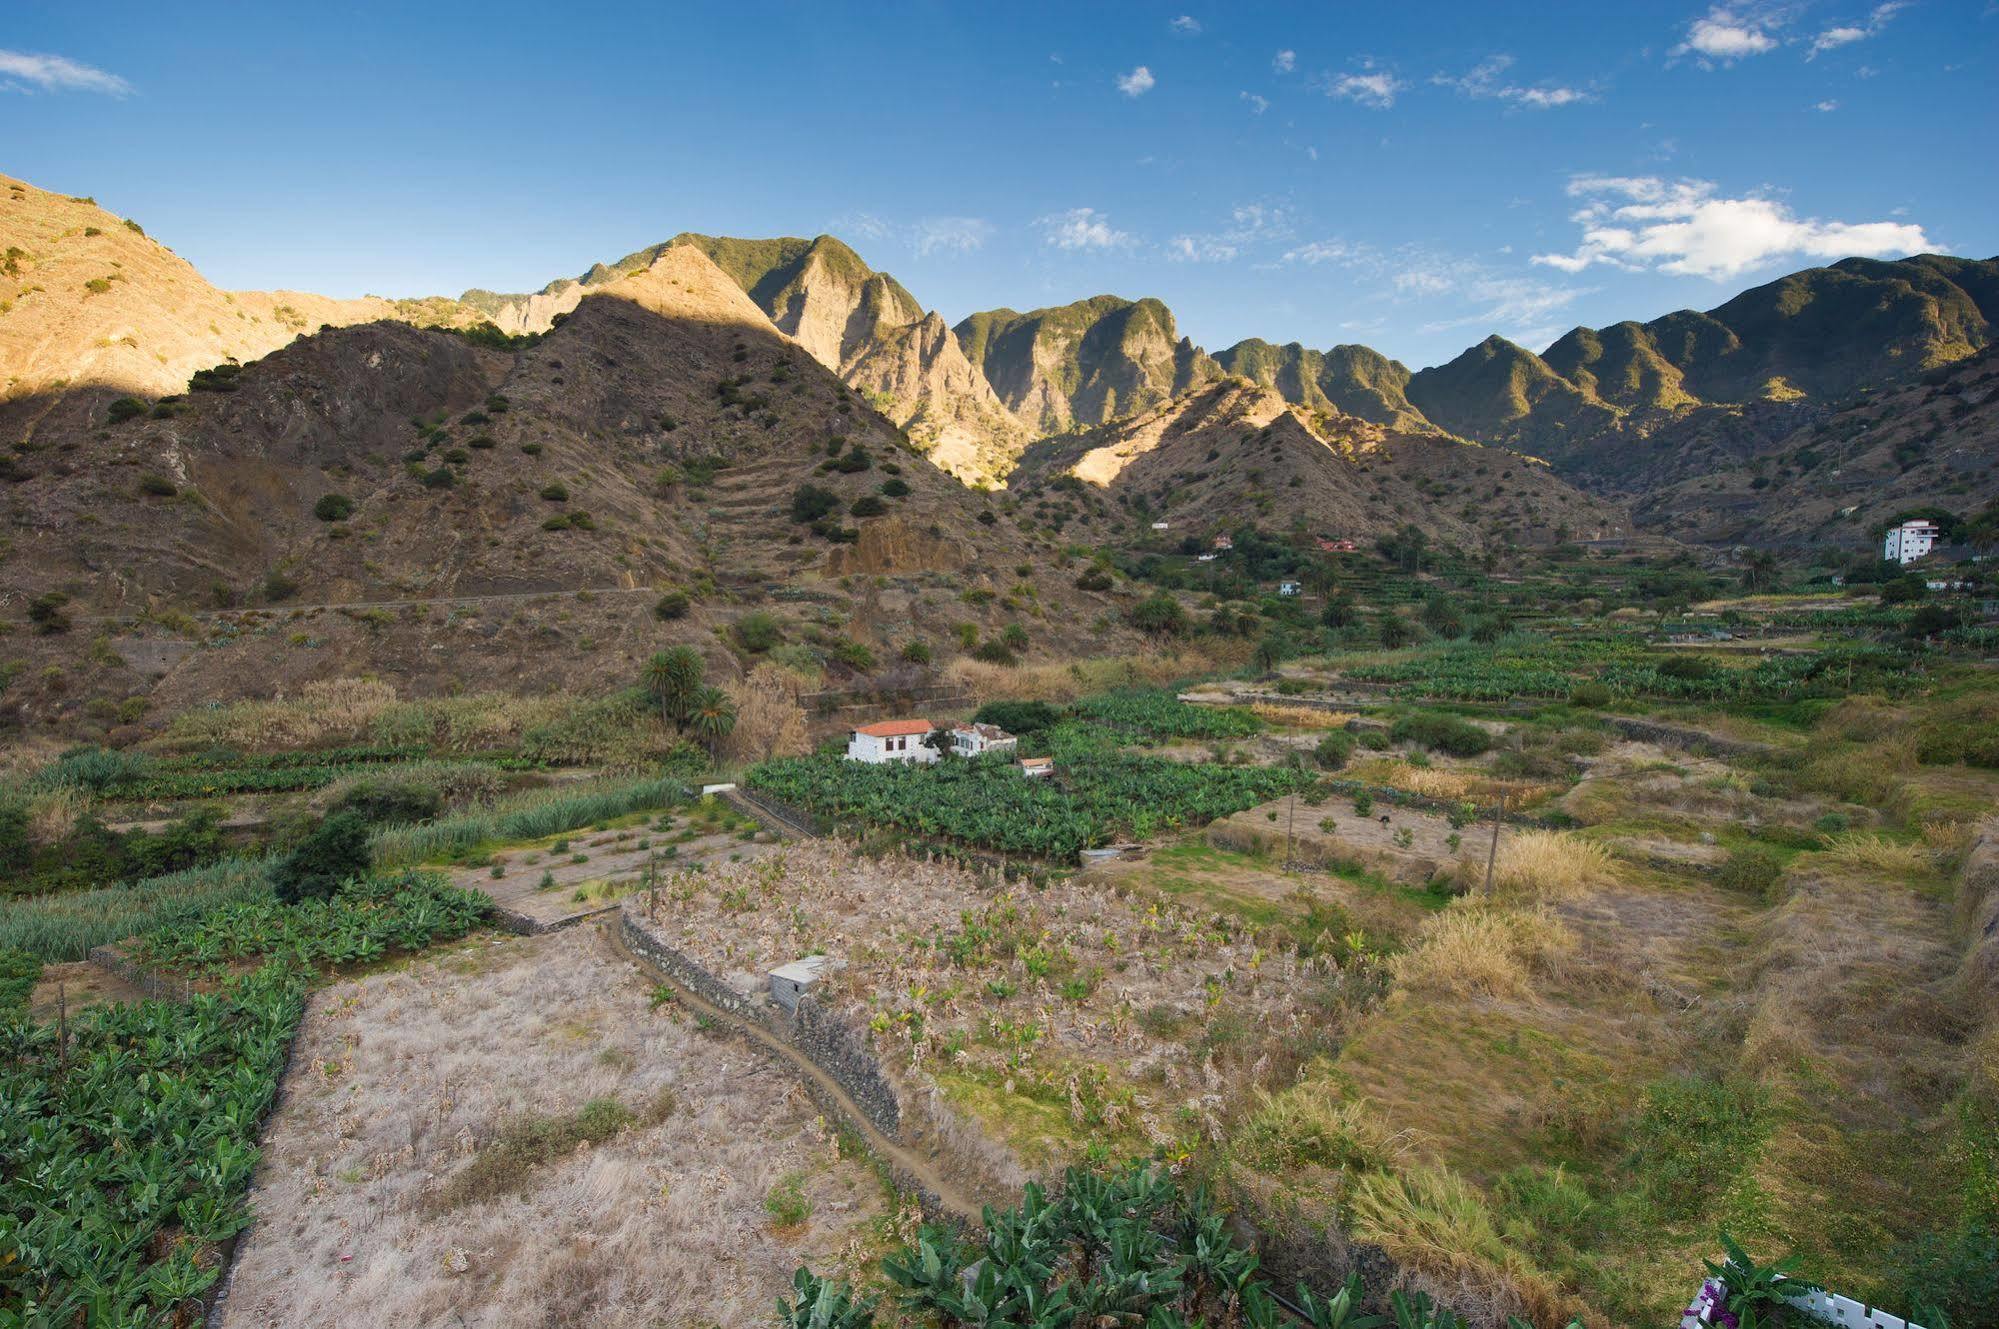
1160,525
975,740
1287,588
1910,541
891,740
1037,768
791,981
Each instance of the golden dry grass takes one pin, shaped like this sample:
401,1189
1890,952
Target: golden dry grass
1066,682
1876,853
1476,948
1300,717
1549,865
54,813
1433,1221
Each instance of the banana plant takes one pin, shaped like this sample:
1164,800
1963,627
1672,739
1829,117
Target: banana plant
823,1303
1341,1310
1419,1312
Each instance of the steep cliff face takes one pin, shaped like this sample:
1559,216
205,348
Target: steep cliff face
861,324
920,378
1085,363
1354,380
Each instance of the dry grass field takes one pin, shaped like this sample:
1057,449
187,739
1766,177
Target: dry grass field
508,1133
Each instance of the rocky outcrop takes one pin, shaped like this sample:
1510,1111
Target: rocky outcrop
895,545
1085,363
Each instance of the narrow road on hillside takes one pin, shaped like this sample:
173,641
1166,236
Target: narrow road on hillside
498,597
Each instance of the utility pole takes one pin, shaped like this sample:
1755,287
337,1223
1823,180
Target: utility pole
1492,854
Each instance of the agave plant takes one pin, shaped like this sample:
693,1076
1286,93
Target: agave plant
1419,1312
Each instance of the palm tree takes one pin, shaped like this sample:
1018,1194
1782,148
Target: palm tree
1759,569
674,677
712,716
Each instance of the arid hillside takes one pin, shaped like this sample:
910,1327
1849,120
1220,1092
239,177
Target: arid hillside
537,499
87,299
1801,477
1230,454
861,324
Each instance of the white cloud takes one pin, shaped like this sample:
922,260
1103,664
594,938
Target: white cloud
1137,83
1375,88
949,235
1827,105
1683,227
56,73
1185,26
1484,296
1248,224
1726,34
1846,34
1081,228
1327,251
1284,61
1257,105
1487,81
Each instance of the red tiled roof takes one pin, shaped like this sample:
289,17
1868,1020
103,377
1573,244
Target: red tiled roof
894,728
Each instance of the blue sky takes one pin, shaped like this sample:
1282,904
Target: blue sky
1411,176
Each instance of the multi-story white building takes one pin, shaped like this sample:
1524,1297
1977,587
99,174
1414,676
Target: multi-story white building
1910,541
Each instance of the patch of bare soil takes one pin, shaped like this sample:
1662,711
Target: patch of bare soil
74,987
546,886
401,1080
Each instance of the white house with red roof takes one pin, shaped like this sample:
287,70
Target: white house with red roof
891,740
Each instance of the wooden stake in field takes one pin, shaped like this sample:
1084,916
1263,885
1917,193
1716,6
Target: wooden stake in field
1492,855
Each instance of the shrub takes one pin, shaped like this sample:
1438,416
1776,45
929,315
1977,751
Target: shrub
867,505
1159,614
555,492
1593,696
333,507
1441,733
333,853
441,478
1394,633
1333,750
758,632
1018,717
45,611
390,801
994,652
1094,579
1832,823
125,408
531,449
1754,871
672,605
895,488
157,486
810,503
916,652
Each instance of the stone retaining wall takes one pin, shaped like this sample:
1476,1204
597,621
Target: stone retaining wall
158,986
1686,740
820,1035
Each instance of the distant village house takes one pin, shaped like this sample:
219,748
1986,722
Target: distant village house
1037,768
891,740
975,740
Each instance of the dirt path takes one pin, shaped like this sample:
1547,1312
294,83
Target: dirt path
907,1163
